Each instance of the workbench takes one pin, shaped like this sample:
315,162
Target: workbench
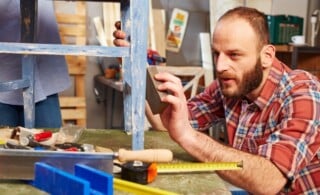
196,183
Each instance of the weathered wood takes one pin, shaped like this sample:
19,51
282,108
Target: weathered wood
66,101
71,114
57,49
111,14
135,13
13,85
63,18
159,18
28,11
206,57
75,66
100,31
72,29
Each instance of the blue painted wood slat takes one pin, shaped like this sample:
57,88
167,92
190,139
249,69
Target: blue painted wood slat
135,68
57,49
28,10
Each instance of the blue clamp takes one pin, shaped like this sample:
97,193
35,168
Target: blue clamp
86,181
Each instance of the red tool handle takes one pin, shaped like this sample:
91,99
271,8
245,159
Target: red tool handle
42,136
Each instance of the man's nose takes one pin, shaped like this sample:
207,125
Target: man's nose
222,63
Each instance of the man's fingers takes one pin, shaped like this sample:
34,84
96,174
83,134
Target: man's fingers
119,38
118,25
168,77
120,43
118,34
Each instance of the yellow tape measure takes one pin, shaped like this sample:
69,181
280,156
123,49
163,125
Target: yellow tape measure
197,167
147,172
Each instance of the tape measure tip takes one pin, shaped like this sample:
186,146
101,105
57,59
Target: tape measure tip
240,164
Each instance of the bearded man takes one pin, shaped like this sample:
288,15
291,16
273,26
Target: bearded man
272,112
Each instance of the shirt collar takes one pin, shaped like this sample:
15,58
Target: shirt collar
273,80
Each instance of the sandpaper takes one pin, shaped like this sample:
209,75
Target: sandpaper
153,96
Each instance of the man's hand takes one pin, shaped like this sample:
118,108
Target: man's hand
175,116
119,36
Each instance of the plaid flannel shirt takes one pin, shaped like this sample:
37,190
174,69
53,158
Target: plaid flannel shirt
281,125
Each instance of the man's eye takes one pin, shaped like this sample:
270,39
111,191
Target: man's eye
234,55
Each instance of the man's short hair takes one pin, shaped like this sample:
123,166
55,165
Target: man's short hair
257,20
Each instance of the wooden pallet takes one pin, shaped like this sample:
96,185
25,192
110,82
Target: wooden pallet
72,28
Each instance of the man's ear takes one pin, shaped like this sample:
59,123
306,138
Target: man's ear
267,55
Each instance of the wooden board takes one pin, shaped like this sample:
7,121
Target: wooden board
72,28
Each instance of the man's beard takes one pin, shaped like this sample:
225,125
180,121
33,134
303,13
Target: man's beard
251,80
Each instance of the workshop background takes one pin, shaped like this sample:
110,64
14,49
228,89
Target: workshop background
200,12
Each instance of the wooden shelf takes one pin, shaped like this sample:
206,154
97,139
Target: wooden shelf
302,57
284,48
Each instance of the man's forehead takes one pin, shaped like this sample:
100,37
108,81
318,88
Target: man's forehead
230,21
233,28
234,36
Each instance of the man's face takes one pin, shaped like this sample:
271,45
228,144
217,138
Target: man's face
237,59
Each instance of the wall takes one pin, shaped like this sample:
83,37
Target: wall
300,9
313,5
198,21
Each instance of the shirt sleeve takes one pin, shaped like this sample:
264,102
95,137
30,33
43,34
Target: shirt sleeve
206,107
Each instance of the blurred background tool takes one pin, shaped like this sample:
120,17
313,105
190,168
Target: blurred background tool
154,57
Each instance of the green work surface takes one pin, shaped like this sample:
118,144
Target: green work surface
195,183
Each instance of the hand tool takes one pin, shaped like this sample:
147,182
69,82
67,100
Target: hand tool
39,137
145,173
146,155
